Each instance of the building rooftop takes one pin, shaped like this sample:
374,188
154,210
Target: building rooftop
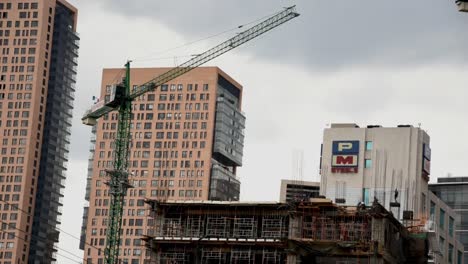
448,180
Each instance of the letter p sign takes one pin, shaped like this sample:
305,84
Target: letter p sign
343,146
346,147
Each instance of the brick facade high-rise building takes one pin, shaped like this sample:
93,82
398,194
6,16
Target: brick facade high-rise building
187,141
38,51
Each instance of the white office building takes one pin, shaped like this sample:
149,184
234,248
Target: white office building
392,165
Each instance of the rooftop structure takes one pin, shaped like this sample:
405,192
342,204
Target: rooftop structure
292,190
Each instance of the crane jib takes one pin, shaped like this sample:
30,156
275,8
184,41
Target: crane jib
121,98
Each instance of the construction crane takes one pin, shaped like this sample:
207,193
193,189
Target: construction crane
121,99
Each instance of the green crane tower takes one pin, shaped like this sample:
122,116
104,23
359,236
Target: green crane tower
121,100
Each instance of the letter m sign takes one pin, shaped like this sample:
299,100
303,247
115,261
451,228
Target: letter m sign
345,161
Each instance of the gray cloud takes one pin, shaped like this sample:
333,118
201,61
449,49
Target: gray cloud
328,34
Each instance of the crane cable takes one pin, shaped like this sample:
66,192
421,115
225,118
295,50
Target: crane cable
46,221
140,59
10,225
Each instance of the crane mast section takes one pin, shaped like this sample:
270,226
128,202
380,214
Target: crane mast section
241,38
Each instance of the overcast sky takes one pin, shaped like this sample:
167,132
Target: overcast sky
366,61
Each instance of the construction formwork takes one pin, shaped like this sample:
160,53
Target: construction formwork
317,231
218,233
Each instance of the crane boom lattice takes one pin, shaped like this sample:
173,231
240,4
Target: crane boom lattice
220,49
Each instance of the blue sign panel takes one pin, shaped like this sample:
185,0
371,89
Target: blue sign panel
346,147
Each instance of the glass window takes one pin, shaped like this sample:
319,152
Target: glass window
442,219
450,254
366,196
368,163
369,145
432,212
442,245
451,220
459,257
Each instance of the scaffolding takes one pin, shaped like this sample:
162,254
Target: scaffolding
273,227
172,227
242,256
271,257
244,227
173,258
213,256
217,226
310,232
194,226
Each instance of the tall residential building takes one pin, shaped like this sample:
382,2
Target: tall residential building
390,165
454,192
187,141
38,43
293,190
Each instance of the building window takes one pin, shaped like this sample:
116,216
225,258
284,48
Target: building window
442,219
432,212
450,254
459,257
451,221
423,203
367,163
365,196
369,145
442,245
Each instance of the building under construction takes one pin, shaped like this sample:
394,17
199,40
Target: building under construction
318,231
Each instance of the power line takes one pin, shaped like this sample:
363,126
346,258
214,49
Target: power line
117,75
56,247
165,58
202,39
61,231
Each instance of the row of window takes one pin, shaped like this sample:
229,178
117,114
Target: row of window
163,173
15,133
26,23
13,217
9,188
26,5
18,68
158,154
153,193
12,160
7,245
442,216
165,144
156,164
15,141
21,77
19,59
166,87
158,126
11,169
10,179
